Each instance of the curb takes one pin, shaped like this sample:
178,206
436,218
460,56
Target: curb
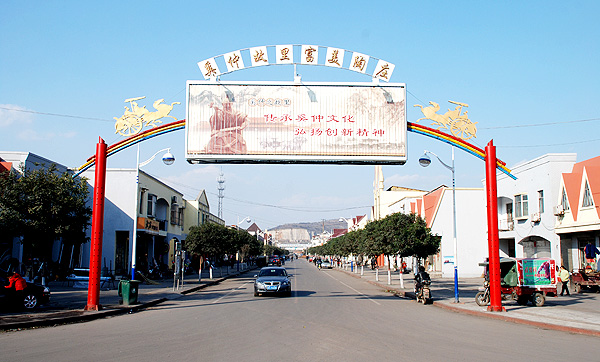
86,316
492,315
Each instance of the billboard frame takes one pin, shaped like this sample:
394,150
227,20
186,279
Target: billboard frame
298,158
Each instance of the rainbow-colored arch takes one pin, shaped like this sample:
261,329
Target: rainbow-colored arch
130,141
177,125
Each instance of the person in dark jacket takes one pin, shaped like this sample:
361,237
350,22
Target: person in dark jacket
591,251
420,277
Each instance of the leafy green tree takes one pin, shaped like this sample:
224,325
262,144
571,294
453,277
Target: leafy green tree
397,234
41,206
274,250
208,239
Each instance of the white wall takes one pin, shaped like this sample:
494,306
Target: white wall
542,173
471,231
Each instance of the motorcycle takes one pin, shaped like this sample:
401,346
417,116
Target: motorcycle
423,292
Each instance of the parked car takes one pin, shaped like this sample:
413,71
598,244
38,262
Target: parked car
326,264
274,260
34,296
261,261
272,280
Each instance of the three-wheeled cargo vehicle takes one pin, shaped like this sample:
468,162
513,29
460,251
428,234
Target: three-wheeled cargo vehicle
523,280
585,278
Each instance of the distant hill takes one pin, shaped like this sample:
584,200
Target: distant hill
316,227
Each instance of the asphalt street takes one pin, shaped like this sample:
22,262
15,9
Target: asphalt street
330,316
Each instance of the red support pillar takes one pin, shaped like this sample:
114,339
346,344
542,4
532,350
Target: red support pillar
97,228
493,238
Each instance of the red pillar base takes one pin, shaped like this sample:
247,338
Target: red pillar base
95,307
493,308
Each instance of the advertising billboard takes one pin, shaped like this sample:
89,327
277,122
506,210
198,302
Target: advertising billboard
537,272
343,123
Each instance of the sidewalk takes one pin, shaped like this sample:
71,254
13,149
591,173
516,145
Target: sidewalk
67,302
578,313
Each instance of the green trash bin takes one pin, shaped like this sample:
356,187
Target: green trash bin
128,291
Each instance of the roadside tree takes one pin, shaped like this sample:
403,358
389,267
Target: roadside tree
42,206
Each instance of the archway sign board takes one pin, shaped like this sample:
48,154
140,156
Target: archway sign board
296,122
361,123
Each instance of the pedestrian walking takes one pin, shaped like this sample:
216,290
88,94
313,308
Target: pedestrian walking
564,276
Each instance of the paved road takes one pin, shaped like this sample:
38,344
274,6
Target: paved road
330,316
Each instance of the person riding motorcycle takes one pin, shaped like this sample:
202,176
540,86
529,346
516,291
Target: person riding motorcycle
420,277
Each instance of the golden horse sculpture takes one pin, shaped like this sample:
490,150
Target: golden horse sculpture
132,121
459,124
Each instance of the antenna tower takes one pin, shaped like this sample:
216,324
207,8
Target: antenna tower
221,188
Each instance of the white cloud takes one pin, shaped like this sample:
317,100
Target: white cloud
33,135
10,113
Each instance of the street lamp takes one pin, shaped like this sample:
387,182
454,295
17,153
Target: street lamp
168,159
246,219
426,161
347,222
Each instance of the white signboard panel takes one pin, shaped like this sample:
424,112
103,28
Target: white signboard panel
290,122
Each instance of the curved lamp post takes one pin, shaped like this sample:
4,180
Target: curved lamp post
168,159
426,161
246,219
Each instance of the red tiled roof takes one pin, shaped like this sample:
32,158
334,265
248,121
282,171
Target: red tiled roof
339,232
593,174
5,166
573,183
573,186
431,203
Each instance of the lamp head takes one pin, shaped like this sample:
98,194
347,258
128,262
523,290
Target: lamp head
168,158
424,160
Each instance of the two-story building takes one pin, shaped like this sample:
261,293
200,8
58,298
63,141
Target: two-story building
158,211
577,211
525,207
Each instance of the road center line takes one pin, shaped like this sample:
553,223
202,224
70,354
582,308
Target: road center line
364,295
231,291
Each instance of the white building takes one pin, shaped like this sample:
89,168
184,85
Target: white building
436,207
158,209
525,207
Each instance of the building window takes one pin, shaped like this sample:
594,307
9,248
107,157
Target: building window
564,201
587,196
541,201
151,210
141,201
180,216
521,206
174,214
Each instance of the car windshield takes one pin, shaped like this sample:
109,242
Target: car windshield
272,272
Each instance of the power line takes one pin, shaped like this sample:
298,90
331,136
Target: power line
548,145
542,124
288,208
57,114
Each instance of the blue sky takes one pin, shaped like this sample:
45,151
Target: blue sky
528,70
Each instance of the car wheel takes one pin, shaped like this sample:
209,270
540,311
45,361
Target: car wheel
30,301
